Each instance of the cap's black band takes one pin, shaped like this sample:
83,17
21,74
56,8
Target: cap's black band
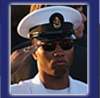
48,32
49,27
51,33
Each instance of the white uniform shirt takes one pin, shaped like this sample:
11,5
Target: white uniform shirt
36,87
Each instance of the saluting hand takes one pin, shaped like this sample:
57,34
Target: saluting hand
19,56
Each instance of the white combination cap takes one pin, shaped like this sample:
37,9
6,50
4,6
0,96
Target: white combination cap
50,21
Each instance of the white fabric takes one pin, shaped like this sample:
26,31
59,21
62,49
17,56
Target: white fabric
42,16
63,91
35,86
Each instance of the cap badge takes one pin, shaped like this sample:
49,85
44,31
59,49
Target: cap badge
57,23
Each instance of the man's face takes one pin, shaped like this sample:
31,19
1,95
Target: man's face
80,29
56,62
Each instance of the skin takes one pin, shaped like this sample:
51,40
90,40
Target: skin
80,29
54,66
19,56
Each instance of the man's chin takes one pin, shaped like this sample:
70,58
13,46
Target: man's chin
60,73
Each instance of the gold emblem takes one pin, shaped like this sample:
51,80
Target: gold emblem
57,23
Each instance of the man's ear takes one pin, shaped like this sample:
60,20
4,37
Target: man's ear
34,56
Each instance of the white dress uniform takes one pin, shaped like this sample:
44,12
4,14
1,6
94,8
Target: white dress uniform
35,86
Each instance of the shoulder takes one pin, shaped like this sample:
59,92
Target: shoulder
79,83
31,86
21,88
78,86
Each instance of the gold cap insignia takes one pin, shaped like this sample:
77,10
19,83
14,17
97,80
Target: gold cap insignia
57,23
56,20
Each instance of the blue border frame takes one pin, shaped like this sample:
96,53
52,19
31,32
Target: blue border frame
93,50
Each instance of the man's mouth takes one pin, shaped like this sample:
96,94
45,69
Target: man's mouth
60,63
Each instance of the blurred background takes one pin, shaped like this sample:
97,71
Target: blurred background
17,13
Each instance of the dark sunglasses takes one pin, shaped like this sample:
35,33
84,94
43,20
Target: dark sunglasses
65,45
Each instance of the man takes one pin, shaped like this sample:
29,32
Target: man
52,36
32,70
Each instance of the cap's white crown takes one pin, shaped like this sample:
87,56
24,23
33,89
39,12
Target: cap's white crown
43,15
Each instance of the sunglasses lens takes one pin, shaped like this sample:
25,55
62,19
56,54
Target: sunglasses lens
49,46
66,45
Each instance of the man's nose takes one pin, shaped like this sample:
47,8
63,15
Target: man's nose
58,51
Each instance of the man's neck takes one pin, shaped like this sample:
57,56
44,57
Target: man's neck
54,82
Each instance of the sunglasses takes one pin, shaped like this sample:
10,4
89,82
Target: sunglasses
65,45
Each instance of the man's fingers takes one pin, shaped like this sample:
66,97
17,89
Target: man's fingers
33,48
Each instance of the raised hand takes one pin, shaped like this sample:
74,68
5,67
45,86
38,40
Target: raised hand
19,56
